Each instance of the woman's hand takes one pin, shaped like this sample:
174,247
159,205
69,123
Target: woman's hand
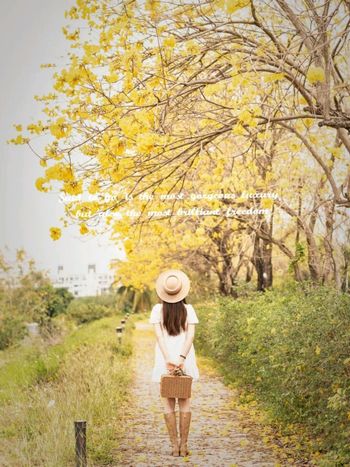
180,363
172,365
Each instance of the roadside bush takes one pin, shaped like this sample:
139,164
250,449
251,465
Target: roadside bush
291,347
85,310
56,299
12,329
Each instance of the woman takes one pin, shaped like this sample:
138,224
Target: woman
174,323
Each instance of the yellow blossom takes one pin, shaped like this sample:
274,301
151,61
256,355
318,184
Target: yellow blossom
313,139
270,77
73,187
234,5
83,229
19,140
55,233
71,36
238,129
315,74
308,122
60,128
266,203
336,152
39,184
128,245
59,171
112,77
145,142
169,41
128,126
52,152
192,47
117,146
36,129
93,187
245,117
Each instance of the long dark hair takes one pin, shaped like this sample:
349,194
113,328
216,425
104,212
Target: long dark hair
174,316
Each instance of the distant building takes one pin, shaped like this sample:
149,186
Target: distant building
82,285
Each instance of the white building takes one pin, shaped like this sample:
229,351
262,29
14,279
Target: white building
90,283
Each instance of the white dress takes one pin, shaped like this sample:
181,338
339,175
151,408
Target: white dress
174,345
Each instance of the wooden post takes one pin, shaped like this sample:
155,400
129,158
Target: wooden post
80,443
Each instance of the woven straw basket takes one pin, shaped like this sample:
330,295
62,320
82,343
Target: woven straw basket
176,384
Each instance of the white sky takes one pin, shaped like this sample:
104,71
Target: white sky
30,35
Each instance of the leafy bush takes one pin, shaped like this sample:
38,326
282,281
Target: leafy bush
291,347
85,310
57,299
12,329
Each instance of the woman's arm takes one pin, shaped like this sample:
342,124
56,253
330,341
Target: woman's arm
188,342
161,341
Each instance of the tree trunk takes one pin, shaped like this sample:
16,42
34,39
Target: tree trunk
297,273
328,262
226,285
345,278
258,261
249,272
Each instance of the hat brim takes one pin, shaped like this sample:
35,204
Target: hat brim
173,298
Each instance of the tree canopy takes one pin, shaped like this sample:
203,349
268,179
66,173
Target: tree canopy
161,102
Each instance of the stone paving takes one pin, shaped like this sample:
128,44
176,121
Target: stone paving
216,437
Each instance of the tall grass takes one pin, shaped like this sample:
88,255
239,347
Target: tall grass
85,378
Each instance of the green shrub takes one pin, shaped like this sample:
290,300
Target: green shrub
87,309
82,312
57,299
291,347
12,329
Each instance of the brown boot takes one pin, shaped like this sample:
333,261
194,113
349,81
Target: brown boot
170,420
185,420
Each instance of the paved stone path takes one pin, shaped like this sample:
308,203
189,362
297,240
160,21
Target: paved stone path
216,437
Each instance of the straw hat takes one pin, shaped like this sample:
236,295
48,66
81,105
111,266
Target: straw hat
172,285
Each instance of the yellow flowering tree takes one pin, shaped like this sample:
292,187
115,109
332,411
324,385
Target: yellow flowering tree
160,99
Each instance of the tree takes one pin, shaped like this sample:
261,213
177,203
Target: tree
26,295
57,299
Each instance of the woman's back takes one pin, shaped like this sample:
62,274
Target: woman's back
157,317
174,343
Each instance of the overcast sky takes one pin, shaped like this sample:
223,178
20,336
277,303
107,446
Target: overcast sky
31,35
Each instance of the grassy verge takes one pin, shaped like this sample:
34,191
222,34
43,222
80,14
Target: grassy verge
87,377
